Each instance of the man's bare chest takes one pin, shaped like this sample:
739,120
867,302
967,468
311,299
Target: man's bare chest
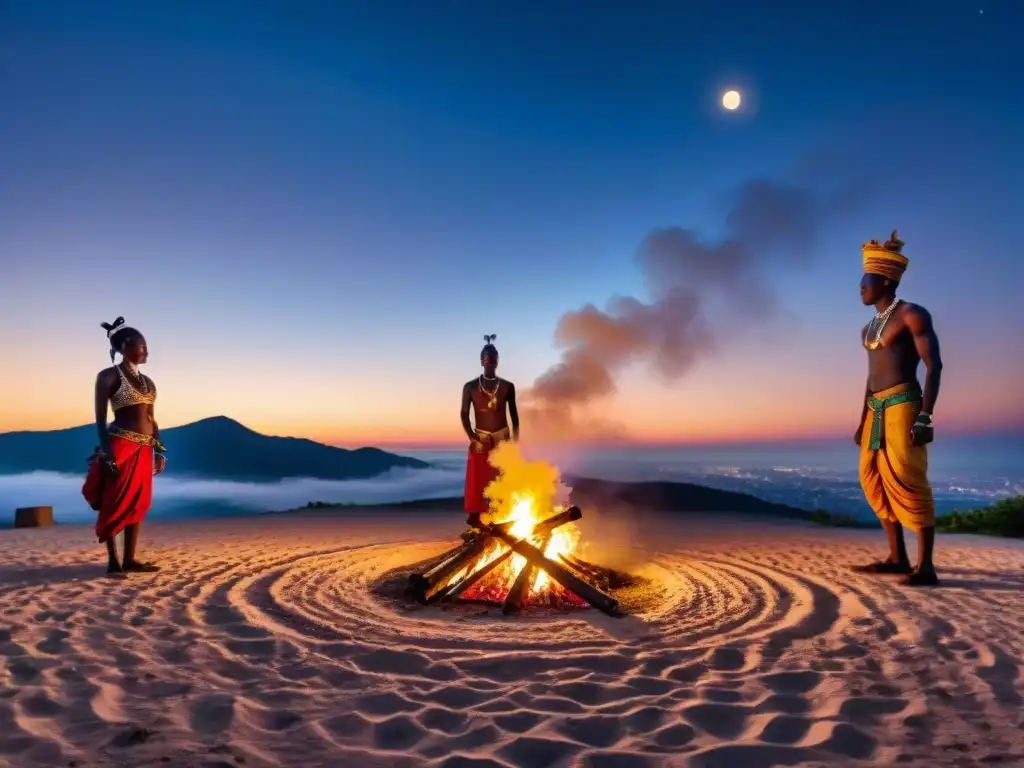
490,396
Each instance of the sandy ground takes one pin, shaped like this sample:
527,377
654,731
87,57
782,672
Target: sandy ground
260,644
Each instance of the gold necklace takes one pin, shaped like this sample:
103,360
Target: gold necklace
877,325
492,403
136,379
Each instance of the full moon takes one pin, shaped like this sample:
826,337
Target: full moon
731,100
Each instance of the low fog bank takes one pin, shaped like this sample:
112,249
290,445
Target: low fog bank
174,497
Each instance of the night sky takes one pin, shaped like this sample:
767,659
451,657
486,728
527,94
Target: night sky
315,213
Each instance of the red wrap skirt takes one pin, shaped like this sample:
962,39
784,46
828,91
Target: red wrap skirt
480,473
123,499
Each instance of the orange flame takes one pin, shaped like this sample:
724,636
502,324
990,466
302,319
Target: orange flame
524,494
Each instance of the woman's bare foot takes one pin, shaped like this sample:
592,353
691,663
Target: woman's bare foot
138,567
114,570
885,567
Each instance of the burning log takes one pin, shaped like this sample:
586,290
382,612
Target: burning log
592,574
516,597
587,570
571,573
447,556
579,565
453,591
422,584
558,572
543,528
520,561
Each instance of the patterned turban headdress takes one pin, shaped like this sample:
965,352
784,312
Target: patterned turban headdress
885,259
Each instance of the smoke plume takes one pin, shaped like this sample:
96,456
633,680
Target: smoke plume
770,226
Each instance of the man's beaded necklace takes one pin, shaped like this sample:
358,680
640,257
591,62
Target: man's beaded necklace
492,394
877,325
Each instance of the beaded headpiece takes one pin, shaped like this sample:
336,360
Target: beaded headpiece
489,348
115,327
885,259
112,330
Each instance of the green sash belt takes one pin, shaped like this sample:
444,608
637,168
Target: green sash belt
878,408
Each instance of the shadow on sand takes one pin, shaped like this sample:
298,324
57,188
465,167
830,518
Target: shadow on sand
970,578
979,584
51,574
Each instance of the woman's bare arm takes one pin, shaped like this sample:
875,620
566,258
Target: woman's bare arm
102,396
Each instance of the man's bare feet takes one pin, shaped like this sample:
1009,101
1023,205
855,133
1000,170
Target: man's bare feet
922,578
885,567
137,567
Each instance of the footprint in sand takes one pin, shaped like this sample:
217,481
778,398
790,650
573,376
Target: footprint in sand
674,737
1002,674
539,752
870,709
443,720
797,683
592,730
785,729
55,642
723,721
23,673
620,760
212,713
39,705
347,727
398,733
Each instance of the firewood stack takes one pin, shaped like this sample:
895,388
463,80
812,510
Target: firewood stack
468,565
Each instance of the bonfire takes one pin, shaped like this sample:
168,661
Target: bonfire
523,553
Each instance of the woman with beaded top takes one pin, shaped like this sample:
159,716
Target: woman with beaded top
119,484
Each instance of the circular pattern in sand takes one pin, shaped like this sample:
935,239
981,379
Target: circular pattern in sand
332,596
268,648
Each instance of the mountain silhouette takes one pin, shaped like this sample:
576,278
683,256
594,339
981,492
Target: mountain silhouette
639,496
217,447
669,496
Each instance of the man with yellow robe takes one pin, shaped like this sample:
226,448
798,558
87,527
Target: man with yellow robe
896,423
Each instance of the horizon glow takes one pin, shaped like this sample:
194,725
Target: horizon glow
314,217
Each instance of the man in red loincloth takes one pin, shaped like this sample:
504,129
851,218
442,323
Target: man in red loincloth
494,405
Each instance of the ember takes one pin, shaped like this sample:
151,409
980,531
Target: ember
523,554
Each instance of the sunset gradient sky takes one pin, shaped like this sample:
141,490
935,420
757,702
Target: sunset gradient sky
314,215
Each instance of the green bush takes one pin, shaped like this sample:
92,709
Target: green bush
1004,518
824,517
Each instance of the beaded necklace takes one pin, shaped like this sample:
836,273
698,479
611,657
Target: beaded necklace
877,325
492,403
